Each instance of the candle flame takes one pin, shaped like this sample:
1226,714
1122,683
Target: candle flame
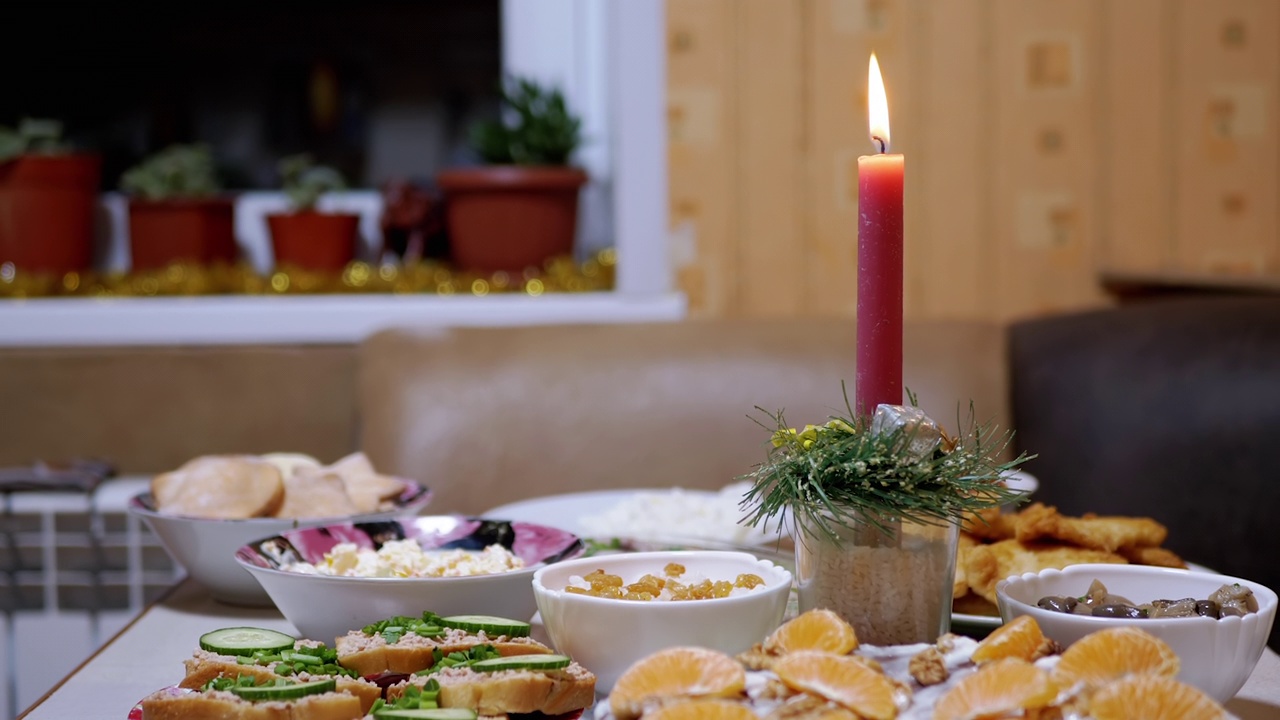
877,106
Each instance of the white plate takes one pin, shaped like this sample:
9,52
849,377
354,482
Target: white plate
561,511
571,511
993,621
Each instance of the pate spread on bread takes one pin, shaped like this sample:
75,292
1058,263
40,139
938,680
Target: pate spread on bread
205,665
371,654
221,705
257,674
551,692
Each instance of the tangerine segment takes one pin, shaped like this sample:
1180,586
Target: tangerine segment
813,630
674,673
703,710
1153,697
1021,638
842,679
999,688
1106,655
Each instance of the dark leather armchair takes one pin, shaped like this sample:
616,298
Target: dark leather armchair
1169,409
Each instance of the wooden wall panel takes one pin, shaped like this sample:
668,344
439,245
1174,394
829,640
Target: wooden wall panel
771,159
1136,142
1045,142
1045,207
1225,125
702,145
950,259
836,134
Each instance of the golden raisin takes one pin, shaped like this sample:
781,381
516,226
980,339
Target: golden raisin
600,577
673,570
748,581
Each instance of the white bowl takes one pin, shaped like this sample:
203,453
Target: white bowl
205,547
1217,656
606,636
324,607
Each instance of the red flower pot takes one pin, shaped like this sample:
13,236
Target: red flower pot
314,240
508,217
47,207
195,230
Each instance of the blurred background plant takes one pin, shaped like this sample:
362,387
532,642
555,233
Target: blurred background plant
535,128
304,181
32,135
178,171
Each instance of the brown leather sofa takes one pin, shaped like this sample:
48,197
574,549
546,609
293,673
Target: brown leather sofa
488,416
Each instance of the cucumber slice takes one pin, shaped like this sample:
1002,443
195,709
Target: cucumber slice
522,662
286,692
488,624
425,714
245,641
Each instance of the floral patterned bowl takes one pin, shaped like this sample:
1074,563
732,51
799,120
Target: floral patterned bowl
324,607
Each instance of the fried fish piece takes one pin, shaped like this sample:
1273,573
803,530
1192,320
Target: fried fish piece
1109,533
961,586
986,565
990,524
1162,557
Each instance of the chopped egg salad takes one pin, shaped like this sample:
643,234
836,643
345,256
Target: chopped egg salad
407,559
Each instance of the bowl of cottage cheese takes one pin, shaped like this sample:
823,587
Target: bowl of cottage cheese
327,580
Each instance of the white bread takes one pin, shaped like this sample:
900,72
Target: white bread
371,655
315,494
220,487
368,490
218,705
289,463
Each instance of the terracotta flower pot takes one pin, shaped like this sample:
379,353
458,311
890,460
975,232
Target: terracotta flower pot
508,217
195,230
46,211
314,240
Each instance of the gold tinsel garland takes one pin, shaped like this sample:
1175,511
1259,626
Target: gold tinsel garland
431,278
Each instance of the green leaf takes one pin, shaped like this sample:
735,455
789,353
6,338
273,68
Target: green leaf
537,127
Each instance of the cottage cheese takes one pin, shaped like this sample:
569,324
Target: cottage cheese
406,559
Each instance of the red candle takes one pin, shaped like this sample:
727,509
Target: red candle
879,362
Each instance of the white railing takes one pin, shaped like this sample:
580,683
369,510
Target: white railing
74,569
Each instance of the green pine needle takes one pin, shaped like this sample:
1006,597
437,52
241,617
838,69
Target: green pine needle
839,475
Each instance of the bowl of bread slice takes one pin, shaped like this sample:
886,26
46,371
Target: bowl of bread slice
205,510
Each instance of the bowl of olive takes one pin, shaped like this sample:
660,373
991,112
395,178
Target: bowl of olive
1217,624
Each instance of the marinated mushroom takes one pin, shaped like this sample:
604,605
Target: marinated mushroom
1232,599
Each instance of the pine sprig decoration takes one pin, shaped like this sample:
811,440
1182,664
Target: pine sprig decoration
841,475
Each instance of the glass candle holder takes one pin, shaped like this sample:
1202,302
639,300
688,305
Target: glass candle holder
892,582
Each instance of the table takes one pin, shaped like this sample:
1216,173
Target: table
147,655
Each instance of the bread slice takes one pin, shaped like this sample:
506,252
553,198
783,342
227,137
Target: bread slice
315,494
369,490
204,666
220,705
372,655
221,487
505,692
